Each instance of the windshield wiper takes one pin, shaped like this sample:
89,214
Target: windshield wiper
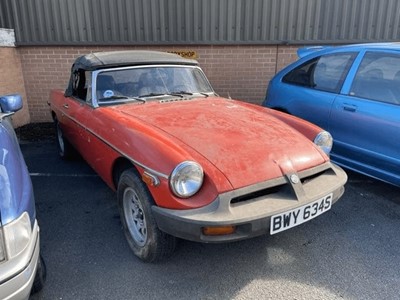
176,94
190,93
151,95
204,94
137,98
113,98
180,93
122,98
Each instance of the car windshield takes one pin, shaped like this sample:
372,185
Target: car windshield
146,83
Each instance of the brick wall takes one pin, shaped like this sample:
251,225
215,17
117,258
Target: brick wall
286,55
241,72
12,82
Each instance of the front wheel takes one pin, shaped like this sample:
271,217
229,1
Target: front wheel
145,239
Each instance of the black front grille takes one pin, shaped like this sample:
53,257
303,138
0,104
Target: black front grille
311,177
257,194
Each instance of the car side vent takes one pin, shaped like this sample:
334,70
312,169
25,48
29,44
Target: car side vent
258,194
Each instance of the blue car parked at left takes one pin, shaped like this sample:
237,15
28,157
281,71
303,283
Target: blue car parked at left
353,92
22,269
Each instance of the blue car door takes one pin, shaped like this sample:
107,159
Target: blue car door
365,118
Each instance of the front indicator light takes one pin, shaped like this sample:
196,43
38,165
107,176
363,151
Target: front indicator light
17,235
150,179
219,230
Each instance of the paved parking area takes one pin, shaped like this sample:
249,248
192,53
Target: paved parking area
351,252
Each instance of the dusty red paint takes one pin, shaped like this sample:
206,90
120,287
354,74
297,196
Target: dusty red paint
237,144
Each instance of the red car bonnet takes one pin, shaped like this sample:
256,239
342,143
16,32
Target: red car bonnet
245,144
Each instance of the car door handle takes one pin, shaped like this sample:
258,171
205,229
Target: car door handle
349,107
66,106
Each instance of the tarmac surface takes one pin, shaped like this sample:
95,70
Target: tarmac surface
350,252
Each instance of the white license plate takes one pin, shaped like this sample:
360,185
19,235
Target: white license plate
292,218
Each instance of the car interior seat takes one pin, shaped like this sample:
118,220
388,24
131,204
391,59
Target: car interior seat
397,77
105,86
373,74
373,85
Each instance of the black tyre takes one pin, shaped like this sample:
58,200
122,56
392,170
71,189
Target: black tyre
65,149
145,239
40,277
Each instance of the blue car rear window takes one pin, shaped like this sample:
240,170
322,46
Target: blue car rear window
325,73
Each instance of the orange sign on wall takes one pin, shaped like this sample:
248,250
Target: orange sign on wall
185,53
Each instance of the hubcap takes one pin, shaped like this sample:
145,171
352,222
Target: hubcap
134,216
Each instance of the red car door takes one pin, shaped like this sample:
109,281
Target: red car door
72,121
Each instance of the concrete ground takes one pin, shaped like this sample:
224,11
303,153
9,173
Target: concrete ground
350,252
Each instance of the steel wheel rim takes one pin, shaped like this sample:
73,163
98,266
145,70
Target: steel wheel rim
60,138
134,216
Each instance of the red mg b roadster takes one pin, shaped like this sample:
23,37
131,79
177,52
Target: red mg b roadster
186,163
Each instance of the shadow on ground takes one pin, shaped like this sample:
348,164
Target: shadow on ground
36,132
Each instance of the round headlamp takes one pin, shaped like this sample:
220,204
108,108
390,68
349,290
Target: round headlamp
186,179
325,141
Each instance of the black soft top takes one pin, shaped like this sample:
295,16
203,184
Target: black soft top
101,60
113,59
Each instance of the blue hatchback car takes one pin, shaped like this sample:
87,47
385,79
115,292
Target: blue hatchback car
353,92
22,269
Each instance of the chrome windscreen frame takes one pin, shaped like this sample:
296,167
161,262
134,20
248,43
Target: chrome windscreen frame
92,85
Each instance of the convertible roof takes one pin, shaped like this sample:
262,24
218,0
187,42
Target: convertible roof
101,60
112,59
